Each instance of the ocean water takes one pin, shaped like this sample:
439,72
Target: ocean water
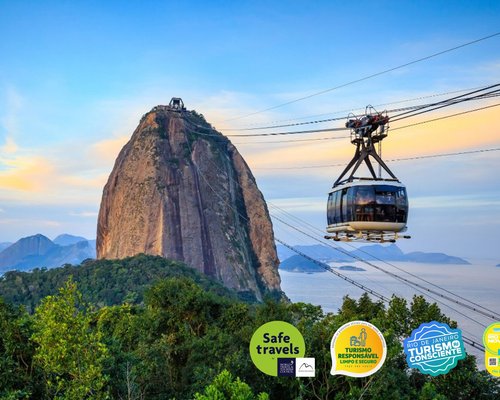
479,282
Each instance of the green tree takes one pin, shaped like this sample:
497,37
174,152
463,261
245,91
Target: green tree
225,387
17,377
69,352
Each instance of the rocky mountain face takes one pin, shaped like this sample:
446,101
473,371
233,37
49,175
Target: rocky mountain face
39,251
181,190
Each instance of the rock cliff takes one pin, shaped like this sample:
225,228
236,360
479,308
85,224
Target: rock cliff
181,190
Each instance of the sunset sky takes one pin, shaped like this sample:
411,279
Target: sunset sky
75,78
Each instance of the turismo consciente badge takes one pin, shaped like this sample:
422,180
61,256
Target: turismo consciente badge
434,348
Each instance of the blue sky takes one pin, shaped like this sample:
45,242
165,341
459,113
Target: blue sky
75,78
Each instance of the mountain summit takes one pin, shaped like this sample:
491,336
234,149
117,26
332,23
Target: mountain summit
181,190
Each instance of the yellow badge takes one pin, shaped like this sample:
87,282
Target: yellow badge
491,341
358,349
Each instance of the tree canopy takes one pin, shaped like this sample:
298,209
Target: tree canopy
188,338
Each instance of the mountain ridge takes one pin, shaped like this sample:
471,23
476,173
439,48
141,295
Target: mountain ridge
38,251
372,252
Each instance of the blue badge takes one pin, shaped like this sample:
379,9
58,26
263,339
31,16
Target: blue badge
286,366
434,348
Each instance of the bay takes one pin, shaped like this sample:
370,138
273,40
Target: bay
478,282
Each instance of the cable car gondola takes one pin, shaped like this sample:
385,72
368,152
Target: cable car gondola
367,208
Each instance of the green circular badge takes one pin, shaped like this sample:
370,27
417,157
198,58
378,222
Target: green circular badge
273,340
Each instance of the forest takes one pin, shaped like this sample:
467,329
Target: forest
150,328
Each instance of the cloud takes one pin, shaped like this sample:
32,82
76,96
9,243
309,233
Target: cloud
84,214
24,173
9,147
105,151
457,201
18,222
36,176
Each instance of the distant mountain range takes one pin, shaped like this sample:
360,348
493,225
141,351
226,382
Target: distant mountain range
293,262
39,251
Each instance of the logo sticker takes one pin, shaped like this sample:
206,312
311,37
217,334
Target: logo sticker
286,366
434,348
358,349
305,367
275,346
491,341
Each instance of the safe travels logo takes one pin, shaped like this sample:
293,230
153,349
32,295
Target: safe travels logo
277,348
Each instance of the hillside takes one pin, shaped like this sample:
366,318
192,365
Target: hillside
185,332
103,282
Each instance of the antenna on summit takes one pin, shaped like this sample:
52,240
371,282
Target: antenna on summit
176,104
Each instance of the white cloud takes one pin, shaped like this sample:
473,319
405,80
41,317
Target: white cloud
9,147
457,201
85,214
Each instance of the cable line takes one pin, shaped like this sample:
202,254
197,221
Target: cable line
399,278
367,77
473,343
303,222
459,153
291,132
294,140
444,103
341,250
453,98
418,290
446,116
352,111
330,269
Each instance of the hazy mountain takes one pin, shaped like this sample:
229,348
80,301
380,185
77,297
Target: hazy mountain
350,268
284,252
372,252
66,240
39,251
298,263
4,245
378,251
434,258
25,252
317,251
